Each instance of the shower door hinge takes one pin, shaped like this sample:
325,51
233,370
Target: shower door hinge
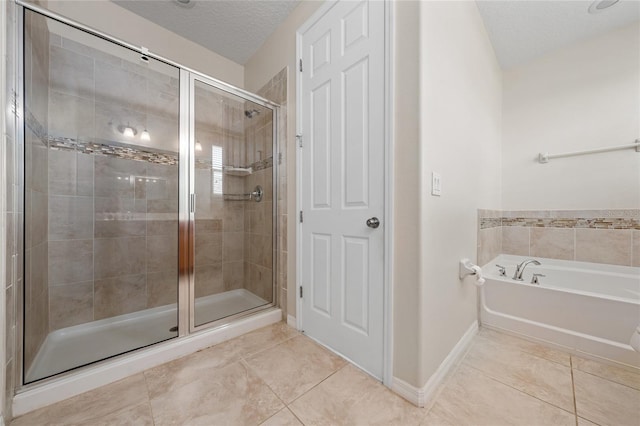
299,138
300,292
301,218
300,65
14,102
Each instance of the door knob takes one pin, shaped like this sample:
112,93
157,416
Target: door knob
374,222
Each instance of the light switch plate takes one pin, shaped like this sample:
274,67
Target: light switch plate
436,184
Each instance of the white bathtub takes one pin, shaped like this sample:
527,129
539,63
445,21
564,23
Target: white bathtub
582,307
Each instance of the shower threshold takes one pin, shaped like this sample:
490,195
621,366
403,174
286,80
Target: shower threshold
83,344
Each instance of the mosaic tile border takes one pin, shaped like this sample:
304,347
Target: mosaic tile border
562,222
123,152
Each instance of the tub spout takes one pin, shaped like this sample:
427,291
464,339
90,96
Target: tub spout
520,268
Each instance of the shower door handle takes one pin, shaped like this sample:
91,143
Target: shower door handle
374,222
192,202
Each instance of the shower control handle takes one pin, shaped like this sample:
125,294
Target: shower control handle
373,222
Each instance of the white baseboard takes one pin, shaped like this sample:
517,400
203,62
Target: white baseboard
420,396
292,322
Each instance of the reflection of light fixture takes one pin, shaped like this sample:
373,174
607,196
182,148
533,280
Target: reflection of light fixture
145,136
127,130
198,146
600,5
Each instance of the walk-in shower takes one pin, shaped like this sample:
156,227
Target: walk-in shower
142,217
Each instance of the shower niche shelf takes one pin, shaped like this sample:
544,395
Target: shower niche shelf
237,171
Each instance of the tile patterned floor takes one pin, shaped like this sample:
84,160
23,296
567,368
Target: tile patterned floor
275,376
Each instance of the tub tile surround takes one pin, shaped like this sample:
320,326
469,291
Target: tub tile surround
598,236
276,376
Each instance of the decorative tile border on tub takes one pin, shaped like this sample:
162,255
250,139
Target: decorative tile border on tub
568,219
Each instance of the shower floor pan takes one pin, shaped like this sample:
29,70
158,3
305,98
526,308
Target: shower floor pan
73,347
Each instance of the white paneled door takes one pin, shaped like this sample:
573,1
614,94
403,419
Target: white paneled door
342,180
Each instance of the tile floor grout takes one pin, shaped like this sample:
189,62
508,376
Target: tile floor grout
518,390
573,389
371,396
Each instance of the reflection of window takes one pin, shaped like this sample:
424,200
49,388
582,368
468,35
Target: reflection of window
216,168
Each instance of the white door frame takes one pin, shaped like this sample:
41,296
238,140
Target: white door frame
387,373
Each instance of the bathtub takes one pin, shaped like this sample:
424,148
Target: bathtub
583,308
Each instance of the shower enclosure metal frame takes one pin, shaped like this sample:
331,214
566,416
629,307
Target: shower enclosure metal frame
186,233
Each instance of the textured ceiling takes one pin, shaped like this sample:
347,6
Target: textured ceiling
234,29
523,30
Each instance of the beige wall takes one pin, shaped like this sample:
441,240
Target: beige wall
114,20
278,52
460,110
580,97
406,186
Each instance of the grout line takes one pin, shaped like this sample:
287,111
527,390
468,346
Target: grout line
318,384
573,390
523,350
516,389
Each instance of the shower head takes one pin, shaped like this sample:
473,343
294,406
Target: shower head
251,113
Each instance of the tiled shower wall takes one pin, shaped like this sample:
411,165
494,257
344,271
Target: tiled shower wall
219,232
36,292
259,251
598,236
112,211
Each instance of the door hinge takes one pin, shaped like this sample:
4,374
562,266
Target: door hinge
301,217
300,292
299,138
300,65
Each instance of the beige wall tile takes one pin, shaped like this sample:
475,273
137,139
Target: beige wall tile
162,288
515,240
489,244
635,261
70,218
70,305
552,243
208,248
70,261
612,246
162,253
119,295
233,246
119,256
233,275
208,280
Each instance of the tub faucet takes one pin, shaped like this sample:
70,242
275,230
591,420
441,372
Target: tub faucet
520,268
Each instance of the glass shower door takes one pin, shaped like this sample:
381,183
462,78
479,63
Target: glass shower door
232,145
101,198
